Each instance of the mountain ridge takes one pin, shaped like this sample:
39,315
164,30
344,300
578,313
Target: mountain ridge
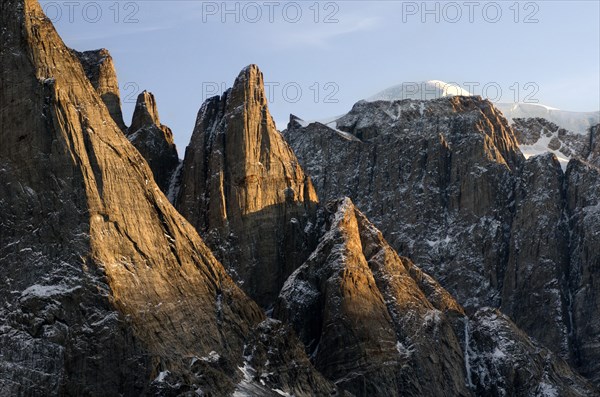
108,290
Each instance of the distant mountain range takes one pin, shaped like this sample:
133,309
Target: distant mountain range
564,133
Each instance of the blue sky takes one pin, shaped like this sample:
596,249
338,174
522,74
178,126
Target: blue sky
322,59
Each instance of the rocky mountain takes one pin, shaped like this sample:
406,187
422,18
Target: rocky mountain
372,322
153,140
99,67
376,325
539,128
105,289
447,185
575,122
243,190
538,135
428,174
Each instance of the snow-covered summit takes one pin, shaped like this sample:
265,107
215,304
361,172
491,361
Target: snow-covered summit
577,122
422,90
539,128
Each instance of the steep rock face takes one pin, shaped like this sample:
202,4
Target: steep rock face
375,324
435,176
243,190
583,203
366,322
100,70
504,361
422,183
106,289
153,140
593,156
535,288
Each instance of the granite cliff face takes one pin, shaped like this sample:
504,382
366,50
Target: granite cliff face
583,212
99,67
153,140
365,319
436,177
243,190
445,182
106,289
535,282
376,325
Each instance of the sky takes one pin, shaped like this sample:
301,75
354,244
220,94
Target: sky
319,58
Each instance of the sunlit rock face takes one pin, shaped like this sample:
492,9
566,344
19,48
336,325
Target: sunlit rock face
153,140
105,289
241,186
376,325
99,67
369,318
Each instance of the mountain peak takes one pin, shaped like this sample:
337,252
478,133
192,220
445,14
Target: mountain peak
153,140
420,90
145,113
99,68
241,181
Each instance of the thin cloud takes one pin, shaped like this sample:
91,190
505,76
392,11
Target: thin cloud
116,33
323,34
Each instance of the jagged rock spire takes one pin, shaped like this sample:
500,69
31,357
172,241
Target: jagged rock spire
153,140
242,187
106,289
100,70
370,318
145,113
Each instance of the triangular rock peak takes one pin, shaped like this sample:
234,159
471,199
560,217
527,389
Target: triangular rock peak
242,187
370,318
153,140
145,113
376,325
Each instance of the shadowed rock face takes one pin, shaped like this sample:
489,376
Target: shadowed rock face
106,289
448,187
365,320
583,210
99,68
535,290
153,140
504,361
243,190
435,176
594,145
376,325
